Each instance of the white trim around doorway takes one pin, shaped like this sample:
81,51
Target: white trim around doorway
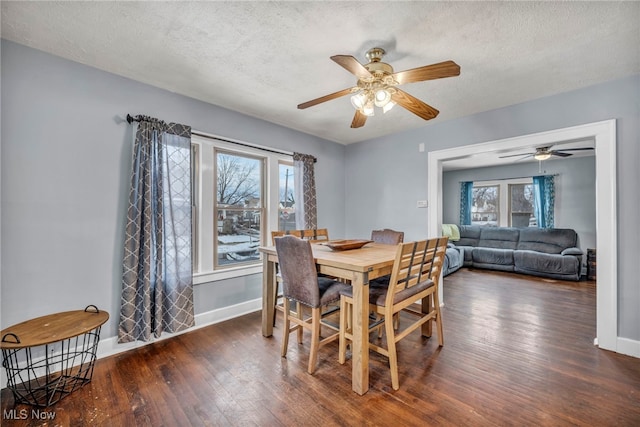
604,135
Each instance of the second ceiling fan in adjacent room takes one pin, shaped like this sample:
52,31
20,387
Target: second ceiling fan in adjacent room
544,153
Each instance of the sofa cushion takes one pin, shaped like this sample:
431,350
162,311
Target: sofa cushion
492,256
467,257
499,237
469,235
549,264
453,260
547,240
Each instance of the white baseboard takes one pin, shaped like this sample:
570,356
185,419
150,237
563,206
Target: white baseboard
109,346
628,347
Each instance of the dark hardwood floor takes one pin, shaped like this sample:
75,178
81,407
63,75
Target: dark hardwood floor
518,351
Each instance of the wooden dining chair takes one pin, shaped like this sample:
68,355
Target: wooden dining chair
315,235
280,233
387,236
414,278
300,283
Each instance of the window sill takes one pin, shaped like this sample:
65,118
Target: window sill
229,273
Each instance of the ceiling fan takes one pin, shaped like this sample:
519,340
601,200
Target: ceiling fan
544,153
377,86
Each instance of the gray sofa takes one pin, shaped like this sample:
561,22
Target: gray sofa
551,253
453,259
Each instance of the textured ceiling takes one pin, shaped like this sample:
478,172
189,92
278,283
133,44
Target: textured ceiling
264,58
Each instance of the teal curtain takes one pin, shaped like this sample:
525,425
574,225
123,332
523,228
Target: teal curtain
466,201
544,200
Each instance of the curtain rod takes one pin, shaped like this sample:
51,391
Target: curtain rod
506,179
132,119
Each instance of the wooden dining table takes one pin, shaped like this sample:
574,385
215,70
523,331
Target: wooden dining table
359,266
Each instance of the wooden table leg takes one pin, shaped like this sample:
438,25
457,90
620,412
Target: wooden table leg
360,344
268,302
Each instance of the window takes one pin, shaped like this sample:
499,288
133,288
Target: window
238,209
504,203
521,212
237,197
485,208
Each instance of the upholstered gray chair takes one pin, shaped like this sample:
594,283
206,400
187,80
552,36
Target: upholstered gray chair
313,236
300,283
387,236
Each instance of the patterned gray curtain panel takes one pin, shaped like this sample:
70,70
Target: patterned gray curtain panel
157,281
305,189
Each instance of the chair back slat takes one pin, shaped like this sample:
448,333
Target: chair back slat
415,263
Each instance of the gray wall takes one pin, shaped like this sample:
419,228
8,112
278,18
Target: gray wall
66,156
575,186
386,176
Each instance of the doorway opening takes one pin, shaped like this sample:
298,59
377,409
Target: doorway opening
604,135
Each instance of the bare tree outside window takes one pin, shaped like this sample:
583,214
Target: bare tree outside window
521,207
485,209
238,179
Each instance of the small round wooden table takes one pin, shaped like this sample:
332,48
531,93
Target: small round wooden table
51,356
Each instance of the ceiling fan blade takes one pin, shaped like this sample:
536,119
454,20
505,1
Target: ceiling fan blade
560,154
358,120
428,72
516,155
414,105
352,65
325,98
575,149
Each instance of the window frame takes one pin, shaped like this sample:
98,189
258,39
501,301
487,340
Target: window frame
510,210
205,225
261,209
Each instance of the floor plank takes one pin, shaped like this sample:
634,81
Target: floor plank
518,351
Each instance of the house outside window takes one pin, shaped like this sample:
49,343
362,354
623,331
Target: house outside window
503,203
236,193
485,208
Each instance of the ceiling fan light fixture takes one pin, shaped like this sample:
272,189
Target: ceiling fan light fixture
376,86
359,100
382,97
368,109
541,156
